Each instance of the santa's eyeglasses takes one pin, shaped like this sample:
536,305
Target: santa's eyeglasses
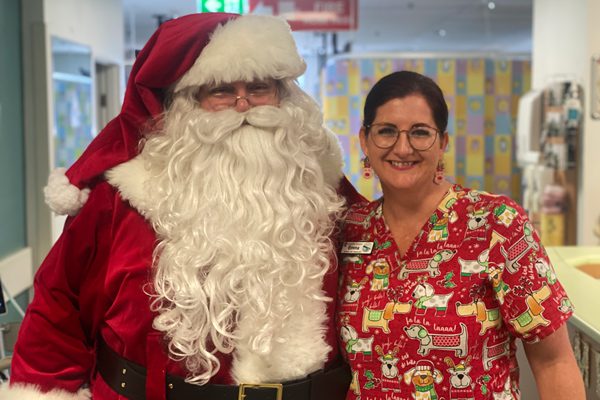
227,95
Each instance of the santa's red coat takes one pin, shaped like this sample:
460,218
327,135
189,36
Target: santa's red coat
93,283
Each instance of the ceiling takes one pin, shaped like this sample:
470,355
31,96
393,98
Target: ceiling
422,26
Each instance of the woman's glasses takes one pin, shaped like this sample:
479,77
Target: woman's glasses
421,137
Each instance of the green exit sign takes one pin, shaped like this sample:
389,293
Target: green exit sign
230,6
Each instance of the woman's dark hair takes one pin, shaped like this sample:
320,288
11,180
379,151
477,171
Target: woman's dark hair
398,85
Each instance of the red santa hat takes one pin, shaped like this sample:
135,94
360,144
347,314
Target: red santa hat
424,365
188,51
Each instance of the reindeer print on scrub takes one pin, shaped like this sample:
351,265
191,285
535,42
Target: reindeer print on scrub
533,315
461,384
440,321
390,381
380,318
353,290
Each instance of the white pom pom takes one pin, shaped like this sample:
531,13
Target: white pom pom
62,197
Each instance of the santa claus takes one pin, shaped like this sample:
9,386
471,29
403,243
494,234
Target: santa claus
197,261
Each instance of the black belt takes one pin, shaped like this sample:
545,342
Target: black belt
128,379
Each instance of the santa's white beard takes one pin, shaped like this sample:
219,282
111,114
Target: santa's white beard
243,216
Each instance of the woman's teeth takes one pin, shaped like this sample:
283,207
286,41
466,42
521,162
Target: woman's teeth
402,163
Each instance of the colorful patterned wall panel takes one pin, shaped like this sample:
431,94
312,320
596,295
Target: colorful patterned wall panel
482,96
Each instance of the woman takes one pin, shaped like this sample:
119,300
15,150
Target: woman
437,280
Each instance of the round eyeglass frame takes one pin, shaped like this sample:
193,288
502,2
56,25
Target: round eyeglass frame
437,133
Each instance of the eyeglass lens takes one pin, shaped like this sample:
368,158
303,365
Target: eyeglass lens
420,137
255,93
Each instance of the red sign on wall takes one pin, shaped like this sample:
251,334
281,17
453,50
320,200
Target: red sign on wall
312,15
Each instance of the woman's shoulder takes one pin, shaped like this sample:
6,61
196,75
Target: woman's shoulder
360,215
364,207
497,211
481,198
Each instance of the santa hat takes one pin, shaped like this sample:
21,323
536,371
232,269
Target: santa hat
424,365
188,51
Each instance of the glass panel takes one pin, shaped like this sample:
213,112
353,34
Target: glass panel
72,84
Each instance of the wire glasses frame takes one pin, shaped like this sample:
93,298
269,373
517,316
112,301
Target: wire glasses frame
420,137
226,95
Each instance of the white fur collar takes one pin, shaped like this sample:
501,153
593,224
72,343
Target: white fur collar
130,178
33,392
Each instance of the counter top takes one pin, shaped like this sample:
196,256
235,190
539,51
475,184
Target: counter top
582,289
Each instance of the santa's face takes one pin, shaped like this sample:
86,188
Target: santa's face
239,95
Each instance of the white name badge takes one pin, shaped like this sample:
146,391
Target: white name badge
357,248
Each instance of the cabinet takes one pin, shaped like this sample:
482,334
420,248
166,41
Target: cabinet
587,354
584,326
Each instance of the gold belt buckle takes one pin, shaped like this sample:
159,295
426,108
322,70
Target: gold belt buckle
277,386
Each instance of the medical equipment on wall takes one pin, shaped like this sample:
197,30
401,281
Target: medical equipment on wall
548,128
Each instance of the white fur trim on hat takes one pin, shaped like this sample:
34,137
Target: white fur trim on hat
424,365
61,196
246,48
33,392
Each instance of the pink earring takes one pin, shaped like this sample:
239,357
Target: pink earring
367,171
439,173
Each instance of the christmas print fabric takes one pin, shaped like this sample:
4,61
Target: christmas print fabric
440,322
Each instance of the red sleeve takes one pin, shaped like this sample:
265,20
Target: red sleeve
349,192
532,301
53,350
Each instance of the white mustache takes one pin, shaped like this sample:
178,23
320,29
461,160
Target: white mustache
267,117
211,127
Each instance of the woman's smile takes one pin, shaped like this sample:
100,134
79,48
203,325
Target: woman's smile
403,165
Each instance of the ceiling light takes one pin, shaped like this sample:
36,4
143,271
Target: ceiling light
491,5
441,32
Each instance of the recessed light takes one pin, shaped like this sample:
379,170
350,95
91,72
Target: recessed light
491,5
441,32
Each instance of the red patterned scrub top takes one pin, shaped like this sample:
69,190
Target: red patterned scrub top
441,321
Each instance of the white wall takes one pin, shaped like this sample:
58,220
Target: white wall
589,192
97,24
566,34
